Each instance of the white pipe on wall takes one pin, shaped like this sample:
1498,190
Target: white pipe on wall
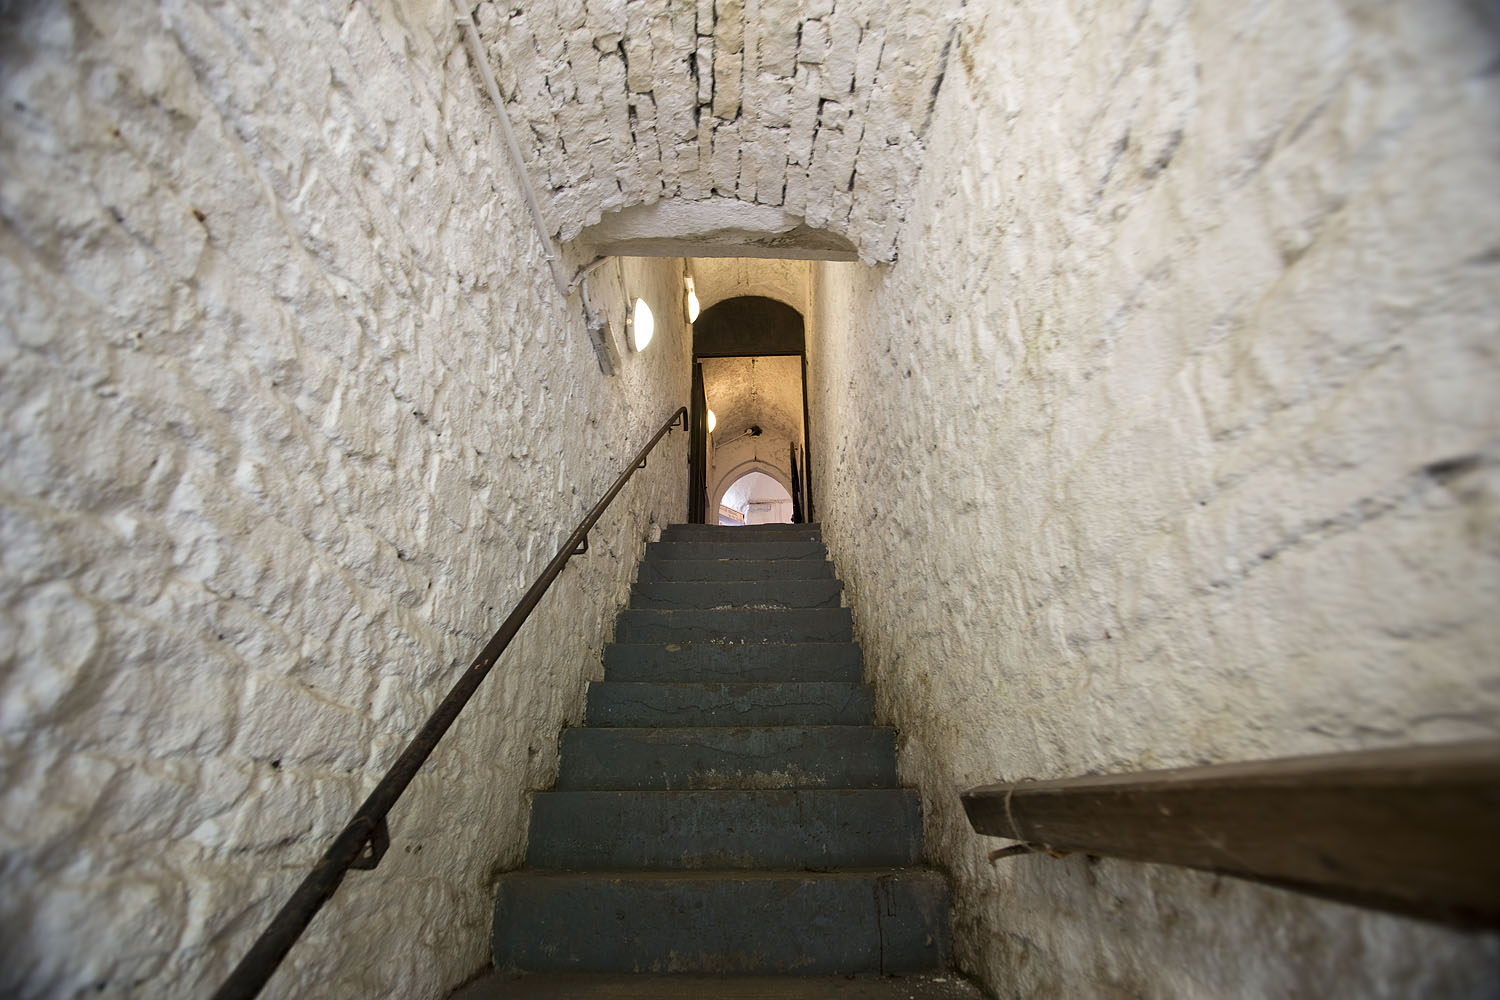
465,21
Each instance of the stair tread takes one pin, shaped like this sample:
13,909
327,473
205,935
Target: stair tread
803,829
730,808
717,703
751,625
742,570
629,757
716,921
769,662
613,986
703,595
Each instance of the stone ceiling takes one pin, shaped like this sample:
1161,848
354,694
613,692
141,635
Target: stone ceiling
804,120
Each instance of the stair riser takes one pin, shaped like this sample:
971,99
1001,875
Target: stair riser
707,662
805,925
812,828
756,535
692,570
703,595
802,625
783,757
795,549
644,705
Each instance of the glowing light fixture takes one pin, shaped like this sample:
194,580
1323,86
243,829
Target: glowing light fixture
712,420
692,301
642,325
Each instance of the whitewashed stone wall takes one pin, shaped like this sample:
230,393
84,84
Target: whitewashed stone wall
1185,400
291,417
818,107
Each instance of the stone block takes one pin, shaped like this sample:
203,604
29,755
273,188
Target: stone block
726,84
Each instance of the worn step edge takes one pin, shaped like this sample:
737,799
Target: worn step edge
627,986
645,704
737,537
713,661
886,920
705,757
732,570
814,828
710,595
779,549
760,625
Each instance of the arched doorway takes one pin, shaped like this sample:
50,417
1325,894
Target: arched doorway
752,493
750,361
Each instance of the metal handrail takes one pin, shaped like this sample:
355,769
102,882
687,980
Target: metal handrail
365,838
1411,830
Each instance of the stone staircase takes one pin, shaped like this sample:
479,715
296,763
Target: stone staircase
728,821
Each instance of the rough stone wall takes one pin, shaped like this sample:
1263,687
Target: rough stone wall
815,106
1185,400
291,417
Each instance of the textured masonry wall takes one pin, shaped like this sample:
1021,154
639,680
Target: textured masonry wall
1185,405
291,418
814,106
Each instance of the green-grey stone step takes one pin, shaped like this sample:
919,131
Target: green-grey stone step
625,986
774,549
750,534
815,828
735,570
750,757
751,627
697,704
732,662
704,594
882,920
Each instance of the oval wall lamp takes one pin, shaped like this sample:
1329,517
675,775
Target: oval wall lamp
641,325
692,301
712,421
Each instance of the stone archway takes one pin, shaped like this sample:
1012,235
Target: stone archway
738,472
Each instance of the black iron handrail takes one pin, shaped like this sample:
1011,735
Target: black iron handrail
365,838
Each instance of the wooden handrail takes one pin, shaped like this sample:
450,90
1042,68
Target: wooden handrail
364,839
1414,831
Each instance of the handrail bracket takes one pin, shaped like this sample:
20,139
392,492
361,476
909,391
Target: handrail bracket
375,847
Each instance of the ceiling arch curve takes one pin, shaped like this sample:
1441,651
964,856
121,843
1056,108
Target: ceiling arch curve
748,325
774,127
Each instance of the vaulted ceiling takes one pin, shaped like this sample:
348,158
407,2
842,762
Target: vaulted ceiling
801,122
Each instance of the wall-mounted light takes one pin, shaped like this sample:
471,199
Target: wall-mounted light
712,421
641,325
692,301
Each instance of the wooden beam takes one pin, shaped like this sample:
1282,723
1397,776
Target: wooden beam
1415,831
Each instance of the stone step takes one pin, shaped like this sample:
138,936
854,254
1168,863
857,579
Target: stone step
749,757
749,627
667,662
773,549
734,570
810,828
741,534
614,986
705,595
687,704
877,921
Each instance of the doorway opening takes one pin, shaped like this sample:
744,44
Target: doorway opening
750,408
755,498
